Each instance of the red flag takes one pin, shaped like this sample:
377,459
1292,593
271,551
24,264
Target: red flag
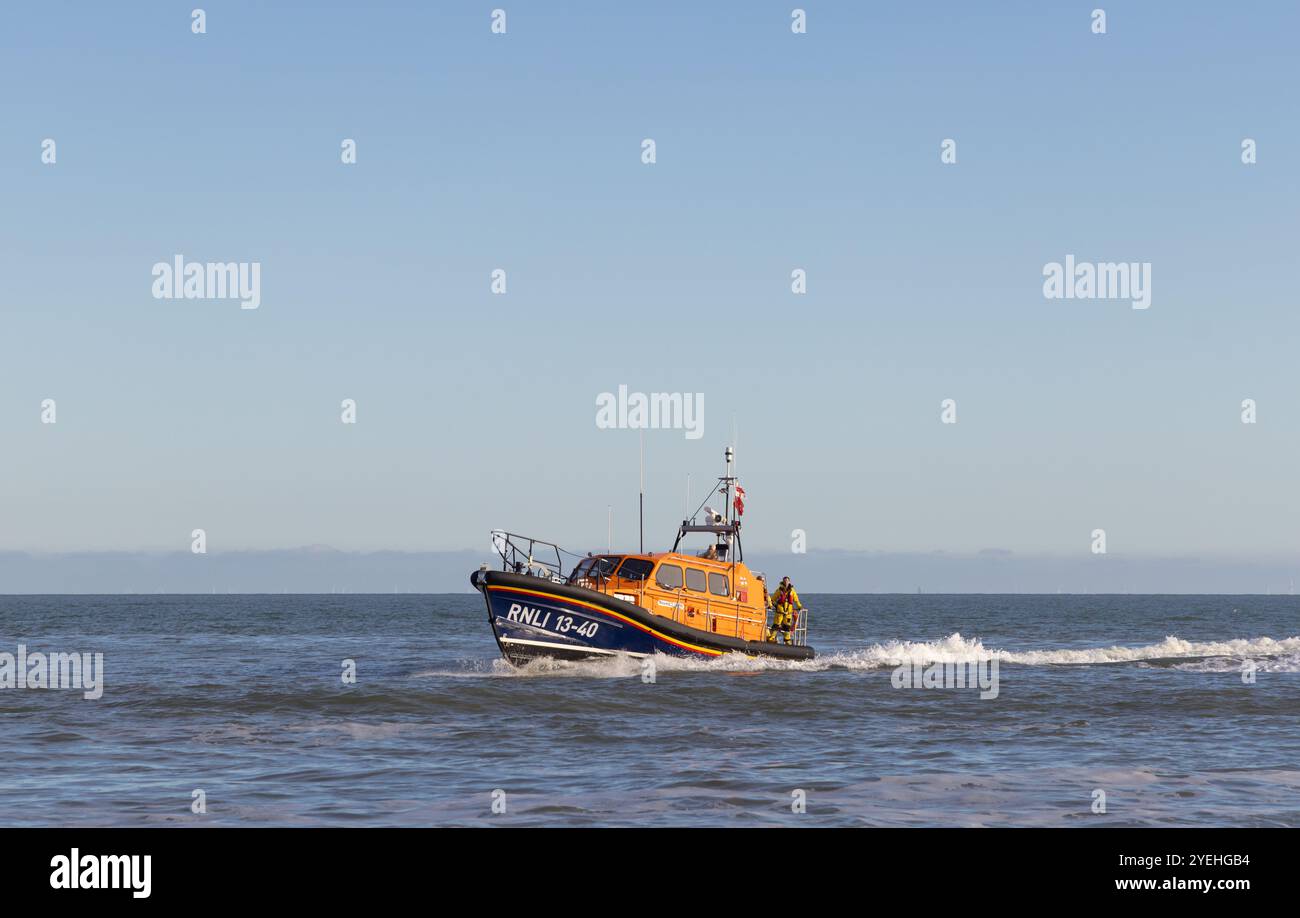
739,502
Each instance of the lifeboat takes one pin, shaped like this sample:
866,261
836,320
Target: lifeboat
679,603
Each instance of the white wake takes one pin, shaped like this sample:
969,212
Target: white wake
1269,655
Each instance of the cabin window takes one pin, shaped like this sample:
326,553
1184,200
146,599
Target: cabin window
594,567
718,585
636,569
669,576
694,580
580,571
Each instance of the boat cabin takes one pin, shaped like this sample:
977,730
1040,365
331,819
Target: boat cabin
705,593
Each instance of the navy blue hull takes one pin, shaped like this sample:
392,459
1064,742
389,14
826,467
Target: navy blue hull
534,617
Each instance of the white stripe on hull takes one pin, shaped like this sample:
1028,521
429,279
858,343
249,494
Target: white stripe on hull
582,648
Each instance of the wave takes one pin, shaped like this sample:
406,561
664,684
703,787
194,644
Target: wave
1286,663
1270,655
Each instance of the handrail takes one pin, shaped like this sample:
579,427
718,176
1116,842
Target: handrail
520,560
798,634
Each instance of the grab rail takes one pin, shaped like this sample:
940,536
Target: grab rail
520,560
798,634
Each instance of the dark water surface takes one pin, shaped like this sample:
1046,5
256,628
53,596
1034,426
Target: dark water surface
1140,697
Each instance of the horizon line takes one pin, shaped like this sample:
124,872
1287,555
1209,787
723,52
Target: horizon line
471,592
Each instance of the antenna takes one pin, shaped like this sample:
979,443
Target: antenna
735,437
609,531
731,469
641,508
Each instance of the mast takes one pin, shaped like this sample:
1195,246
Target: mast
725,525
731,543
731,458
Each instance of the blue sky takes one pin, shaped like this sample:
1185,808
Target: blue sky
774,151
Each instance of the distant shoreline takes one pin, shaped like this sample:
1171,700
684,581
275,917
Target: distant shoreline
809,593
321,570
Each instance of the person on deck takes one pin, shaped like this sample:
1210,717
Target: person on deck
787,605
767,597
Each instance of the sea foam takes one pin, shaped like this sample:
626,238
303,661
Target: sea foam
1270,655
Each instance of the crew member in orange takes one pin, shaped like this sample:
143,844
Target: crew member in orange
787,604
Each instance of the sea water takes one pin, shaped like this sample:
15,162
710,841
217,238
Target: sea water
397,710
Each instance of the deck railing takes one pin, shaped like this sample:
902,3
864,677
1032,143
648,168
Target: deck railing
522,554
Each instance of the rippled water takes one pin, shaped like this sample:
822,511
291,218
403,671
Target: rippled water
1141,697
